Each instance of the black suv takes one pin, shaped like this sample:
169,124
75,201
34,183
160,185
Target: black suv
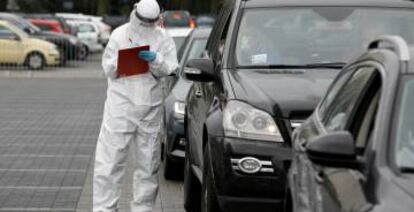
356,153
270,62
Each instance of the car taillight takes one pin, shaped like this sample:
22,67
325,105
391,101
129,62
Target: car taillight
192,24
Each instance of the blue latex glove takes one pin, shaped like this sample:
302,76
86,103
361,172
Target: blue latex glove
148,56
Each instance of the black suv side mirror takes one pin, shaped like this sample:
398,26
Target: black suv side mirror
200,70
333,150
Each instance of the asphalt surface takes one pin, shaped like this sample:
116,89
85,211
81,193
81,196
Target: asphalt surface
49,123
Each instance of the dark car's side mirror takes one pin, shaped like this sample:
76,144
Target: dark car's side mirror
335,149
200,70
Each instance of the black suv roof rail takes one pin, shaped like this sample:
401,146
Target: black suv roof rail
398,45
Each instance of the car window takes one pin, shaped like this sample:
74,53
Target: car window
45,27
404,136
345,102
332,93
84,28
197,49
6,34
215,44
179,41
180,51
297,36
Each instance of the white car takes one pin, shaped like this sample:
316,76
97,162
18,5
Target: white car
88,33
104,29
179,35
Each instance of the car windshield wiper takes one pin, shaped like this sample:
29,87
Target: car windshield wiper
335,65
407,169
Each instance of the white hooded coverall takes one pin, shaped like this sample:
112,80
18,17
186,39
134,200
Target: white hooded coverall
132,115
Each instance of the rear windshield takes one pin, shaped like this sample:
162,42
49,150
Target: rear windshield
297,36
176,19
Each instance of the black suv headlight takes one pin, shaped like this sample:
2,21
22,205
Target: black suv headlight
241,120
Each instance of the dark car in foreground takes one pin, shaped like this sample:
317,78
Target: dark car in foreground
70,47
174,107
270,62
356,153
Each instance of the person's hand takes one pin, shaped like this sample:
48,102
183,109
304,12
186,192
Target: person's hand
148,56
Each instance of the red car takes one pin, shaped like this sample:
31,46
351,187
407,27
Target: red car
47,25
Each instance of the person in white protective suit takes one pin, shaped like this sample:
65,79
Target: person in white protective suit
132,114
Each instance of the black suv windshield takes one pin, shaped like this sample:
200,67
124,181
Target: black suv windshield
404,149
310,35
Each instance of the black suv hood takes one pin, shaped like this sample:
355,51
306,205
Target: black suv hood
283,93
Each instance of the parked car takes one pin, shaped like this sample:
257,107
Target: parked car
104,30
179,35
47,25
70,47
356,152
88,32
174,106
46,16
177,18
18,48
270,62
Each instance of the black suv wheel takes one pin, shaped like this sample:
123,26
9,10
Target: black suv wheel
192,190
209,202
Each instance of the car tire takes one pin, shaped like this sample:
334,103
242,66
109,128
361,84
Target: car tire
209,202
35,61
83,53
192,188
63,58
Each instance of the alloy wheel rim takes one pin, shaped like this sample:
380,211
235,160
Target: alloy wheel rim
35,61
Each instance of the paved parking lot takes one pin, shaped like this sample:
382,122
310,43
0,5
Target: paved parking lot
49,122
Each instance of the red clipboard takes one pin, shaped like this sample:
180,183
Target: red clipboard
129,64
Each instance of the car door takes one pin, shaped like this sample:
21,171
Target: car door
300,173
12,42
351,108
203,94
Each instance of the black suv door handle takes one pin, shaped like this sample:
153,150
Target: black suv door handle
198,93
319,175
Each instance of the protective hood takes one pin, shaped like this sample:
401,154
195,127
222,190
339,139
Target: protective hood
148,10
137,25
